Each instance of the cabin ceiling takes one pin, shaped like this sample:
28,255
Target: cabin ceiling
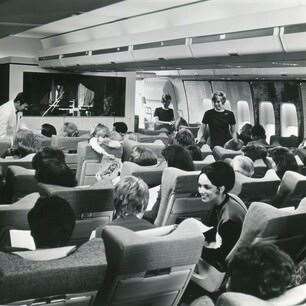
20,15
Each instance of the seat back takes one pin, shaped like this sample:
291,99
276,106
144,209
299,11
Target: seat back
292,297
150,174
175,184
258,189
85,152
206,150
143,138
93,206
129,144
199,164
289,142
67,143
151,267
220,153
71,280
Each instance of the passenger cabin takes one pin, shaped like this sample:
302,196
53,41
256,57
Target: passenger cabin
91,62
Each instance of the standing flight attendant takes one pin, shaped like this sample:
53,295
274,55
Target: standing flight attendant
164,116
220,121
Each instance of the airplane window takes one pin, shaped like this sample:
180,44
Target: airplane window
243,114
267,118
289,120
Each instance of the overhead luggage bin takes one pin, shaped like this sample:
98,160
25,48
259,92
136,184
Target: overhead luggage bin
167,49
237,43
293,37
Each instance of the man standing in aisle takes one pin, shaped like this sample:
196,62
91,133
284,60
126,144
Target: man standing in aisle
220,122
164,117
9,116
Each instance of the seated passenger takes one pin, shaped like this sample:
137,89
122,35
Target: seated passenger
184,137
233,144
100,141
180,123
261,270
227,215
24,144
120,127
284,160
243,164
70,129
246,133
51,222
255,152
143,156
46,154
258,136
48,130
131,196
195,152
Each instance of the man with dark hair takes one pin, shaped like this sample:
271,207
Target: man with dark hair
261,270
184,137
9,117
219,121
258,135
120,127
51,222
227,212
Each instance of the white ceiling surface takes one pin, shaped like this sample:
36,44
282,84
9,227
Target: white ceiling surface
202,18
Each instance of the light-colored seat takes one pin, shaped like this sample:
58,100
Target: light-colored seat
220,153
283,227
256,189
151,267
150,174
143,138
292,297
206,150
92,205
71,280
291,189
199,164
178,200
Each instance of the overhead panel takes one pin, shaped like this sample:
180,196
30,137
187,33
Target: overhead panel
293,37
167,49
237,43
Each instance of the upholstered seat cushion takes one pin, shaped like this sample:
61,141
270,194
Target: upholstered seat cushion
81,271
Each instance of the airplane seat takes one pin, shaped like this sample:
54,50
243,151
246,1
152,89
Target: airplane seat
291,190
292,297
220,153
30,278
263,222
150,174
129,144
193,128
206,150
289,142
251,189
143,138
178,188
151,267
92,205
199,164
5,143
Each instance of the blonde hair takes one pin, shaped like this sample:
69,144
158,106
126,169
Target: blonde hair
100,127
243,165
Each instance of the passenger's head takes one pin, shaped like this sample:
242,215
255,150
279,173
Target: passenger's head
184,137
261,270
233,144
46,154
215,181
120,127
25,142
51,222
178,157
48,130
243,164
70,129
55,172
20,102
166,100
131,196
284,160
180,122
246,133
218,100
143,156
101,131
255,152
258,132
195,152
